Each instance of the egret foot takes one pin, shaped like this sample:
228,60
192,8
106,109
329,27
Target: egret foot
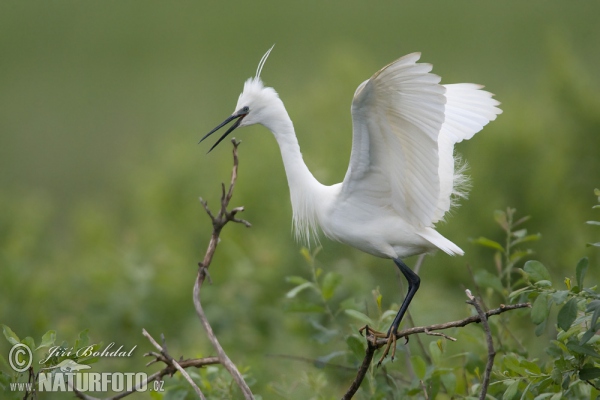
391,341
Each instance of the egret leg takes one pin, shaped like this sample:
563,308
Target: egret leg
413,285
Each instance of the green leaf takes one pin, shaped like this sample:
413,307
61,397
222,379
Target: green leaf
517,255
419,366
292,293
511,390
486,279
580,271
560,296
296,280
589,373
500,217
540,309
356,345
360,316
590,333
594,306
540,329
436,353
47,340
330,283
567,314
511,362
519,292
306,254
531,367
585,349
488,243
536,271
528,238
449,381
10,335
29,342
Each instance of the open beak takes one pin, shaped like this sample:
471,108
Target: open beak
239,116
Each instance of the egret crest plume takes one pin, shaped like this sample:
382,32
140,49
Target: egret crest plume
262,61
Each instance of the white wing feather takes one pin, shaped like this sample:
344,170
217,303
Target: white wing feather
397,116
405,125
468,109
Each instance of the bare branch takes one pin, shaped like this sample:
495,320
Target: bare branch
171,361
373,342
428,332
222,218
490,343
362,370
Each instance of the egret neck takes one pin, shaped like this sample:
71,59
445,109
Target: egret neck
306,192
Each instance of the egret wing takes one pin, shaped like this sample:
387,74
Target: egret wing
397,116
468,109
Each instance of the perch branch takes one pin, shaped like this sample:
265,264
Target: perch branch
490,343
218,222
374,343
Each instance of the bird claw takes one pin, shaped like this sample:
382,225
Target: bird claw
391,341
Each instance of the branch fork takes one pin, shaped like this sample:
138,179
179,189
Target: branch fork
374,343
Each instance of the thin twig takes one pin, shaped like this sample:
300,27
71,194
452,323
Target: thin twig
490,343
374,343
169,369
439,334
424,389
174,363
218,222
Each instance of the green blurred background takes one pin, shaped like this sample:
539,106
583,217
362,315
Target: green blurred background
101,107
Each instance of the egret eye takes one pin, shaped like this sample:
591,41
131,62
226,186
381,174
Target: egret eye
246,109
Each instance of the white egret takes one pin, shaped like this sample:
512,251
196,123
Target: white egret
403,174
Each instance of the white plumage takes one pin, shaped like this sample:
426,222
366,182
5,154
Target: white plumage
402,174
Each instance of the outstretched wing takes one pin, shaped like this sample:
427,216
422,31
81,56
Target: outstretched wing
397,116
468,109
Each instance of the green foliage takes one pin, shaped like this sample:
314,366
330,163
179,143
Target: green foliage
567,367
508,254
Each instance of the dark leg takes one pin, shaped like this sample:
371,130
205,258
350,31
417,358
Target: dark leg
413,285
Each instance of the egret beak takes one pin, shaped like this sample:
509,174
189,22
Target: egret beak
238,115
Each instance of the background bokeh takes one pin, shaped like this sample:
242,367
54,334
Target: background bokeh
101,107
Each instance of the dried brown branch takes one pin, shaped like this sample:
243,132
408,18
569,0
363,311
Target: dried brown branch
172,366
169,369
490,343
373,343
218,222
362,370
173,363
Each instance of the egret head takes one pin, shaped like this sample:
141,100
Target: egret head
253,107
